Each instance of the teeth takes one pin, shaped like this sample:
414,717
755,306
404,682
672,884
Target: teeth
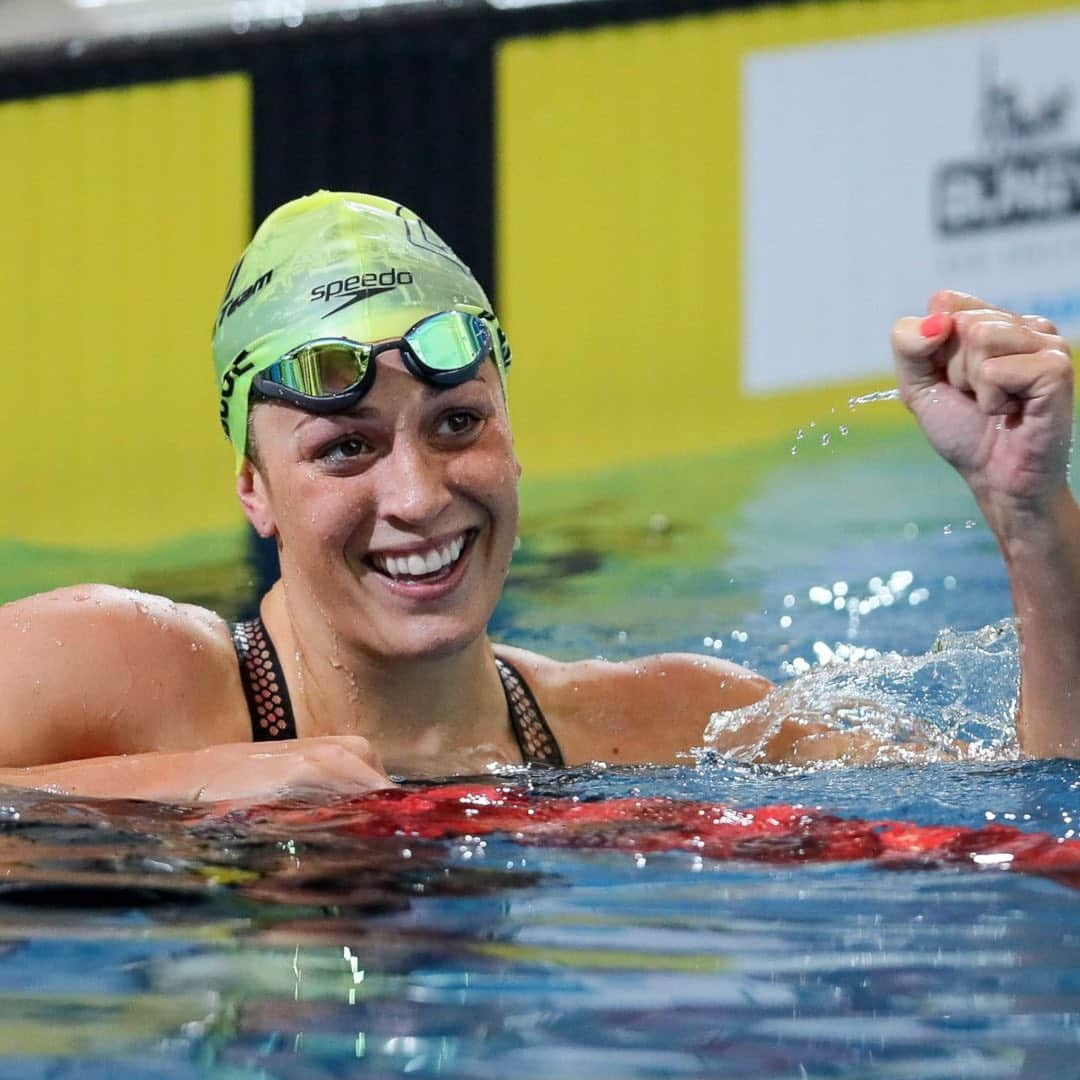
417,565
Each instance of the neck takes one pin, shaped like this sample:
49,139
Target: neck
413,710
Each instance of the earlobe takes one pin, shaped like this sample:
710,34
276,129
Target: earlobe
252,492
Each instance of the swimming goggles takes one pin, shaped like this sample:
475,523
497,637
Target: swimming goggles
329,375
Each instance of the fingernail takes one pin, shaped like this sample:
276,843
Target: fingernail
933,325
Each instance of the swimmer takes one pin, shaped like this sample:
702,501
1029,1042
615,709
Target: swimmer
363,380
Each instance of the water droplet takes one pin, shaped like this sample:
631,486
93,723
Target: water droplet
794,451
825,439
947,530
800,434
877,395
969,524
843,430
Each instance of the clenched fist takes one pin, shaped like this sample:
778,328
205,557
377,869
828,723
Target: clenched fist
993,391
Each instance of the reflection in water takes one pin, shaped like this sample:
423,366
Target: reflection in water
538,926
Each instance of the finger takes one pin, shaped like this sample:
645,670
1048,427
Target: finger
1025,377
950,301
917,345
1040,323
992,398
964,305
947,301
982,337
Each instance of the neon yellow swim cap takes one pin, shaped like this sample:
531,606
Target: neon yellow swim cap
332,265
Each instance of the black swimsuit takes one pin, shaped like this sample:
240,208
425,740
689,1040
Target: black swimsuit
272,716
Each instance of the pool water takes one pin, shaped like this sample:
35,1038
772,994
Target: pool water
303,941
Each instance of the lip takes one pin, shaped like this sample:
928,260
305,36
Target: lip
422,590
421,545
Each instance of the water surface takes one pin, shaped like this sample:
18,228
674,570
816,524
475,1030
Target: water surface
148,942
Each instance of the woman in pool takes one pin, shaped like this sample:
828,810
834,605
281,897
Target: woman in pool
363,377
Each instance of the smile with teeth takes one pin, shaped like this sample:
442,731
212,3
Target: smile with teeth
428,565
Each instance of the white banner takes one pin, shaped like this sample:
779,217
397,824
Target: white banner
877,171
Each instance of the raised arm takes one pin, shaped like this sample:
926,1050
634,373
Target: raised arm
993,392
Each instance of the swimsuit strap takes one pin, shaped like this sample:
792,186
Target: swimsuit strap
271,712
264,682
534,738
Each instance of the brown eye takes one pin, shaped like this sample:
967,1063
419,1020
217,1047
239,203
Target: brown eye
458,423
345,449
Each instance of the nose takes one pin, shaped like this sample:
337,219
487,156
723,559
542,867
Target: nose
413,489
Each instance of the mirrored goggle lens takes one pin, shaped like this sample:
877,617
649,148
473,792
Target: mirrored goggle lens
450,341
321,368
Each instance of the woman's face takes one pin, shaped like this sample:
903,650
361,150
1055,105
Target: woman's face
397,519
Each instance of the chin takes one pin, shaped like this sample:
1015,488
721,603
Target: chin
429,642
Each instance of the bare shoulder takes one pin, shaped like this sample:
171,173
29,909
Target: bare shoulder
646,710
94,669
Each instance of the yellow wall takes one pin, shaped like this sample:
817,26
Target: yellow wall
618,224
124,211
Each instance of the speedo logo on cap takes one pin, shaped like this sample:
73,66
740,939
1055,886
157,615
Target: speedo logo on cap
359,287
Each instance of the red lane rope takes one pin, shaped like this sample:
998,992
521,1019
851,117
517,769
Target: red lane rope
777,833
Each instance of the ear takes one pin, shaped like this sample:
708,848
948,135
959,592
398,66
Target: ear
254,495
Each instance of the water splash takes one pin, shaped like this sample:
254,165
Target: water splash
956,701
876,395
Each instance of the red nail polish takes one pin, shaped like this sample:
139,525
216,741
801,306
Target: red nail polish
933,325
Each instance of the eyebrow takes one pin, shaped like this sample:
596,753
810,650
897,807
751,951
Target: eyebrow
365,412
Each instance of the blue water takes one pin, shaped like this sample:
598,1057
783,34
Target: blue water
134,944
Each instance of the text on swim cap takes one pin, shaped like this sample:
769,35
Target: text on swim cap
229,307
241,365
343,286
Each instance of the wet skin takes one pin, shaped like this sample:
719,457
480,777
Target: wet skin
405,660
383,657
410,470
395,524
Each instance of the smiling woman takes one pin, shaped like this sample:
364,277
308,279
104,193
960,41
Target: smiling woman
363,380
